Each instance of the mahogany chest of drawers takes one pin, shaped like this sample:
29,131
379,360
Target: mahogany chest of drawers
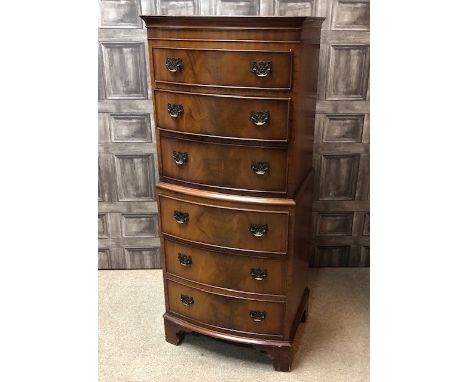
234,104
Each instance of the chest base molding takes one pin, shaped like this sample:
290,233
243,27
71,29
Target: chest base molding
280,352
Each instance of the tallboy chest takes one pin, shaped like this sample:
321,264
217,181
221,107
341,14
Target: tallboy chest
234,103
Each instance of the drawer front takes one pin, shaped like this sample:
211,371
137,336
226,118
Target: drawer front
237,68
224,165
236,272
242,229
218,115
225,312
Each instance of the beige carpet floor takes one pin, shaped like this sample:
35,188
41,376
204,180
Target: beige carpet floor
334,344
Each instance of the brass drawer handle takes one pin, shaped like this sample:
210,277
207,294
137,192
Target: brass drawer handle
174,64
181,217
186,300
257,315
262,68
180,157
184,260
175,110
258,274
259,118
258,230
260,168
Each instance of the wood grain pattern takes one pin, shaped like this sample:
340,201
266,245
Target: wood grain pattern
225,227
302,108
298,269
225,270
193,34
223,165
225,312
235,253
223,67
303,116
225,116
223,199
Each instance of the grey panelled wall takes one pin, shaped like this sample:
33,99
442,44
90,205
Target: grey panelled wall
341,155
128,231
128,223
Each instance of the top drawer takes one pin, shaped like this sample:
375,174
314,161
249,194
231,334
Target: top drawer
220,67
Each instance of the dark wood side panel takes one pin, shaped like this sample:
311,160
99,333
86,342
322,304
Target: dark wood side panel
302,246
223,67
220,115
303,115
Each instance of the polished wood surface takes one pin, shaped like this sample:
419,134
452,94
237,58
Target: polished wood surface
290,35
224,116
223,67
225,227
301,119
224,165
235,243
298,267
303,116
236,23
225,270
223,199
226,312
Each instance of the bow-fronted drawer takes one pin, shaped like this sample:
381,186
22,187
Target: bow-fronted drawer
223,67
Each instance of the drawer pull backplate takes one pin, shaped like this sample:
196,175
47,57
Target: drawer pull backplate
184,260
262,68
259,118
175,110
257,316
181,217
258,274
258,230
174,64
186,300
180,157
260,168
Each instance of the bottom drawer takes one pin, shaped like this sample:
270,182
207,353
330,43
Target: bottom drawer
227,312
